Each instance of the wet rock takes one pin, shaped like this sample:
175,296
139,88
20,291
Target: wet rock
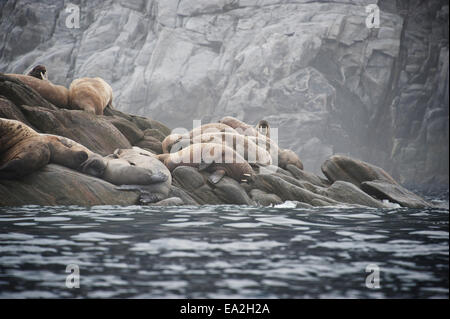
150,143
346,192
143,123
92,131
185,197
190,180
127,128
265,199
171,201
155,133
230,192
287,191
394,193
58,185
303,205
8,110
307,176
21,94
342,168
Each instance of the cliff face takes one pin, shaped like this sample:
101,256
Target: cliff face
313,69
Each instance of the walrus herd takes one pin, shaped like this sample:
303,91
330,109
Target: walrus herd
228,161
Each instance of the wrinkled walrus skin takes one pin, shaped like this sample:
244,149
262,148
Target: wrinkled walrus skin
92,95
23,151
217,155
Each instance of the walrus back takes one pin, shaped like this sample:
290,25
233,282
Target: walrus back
90,94
56,94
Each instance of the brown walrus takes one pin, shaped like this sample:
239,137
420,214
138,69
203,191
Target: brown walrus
241,127
39,72
241,144
23,151
92,95
217,158
285,156
58,95
172,139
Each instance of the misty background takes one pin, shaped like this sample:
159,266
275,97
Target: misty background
312,69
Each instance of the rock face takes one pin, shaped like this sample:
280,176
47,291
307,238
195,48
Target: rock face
342,168
57,185
313,69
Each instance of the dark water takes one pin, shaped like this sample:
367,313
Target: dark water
223,252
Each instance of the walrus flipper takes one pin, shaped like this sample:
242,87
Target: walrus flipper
11,170
215,177
158,177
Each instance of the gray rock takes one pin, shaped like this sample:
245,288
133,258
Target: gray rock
265,199
194,183
307,176
342,168
127,128
185,197
92,131
287,191
171,201
394,193
57,185
346,192
150,143
230,192
8,110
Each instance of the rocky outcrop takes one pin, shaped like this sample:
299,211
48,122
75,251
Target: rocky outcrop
142,178
311,68
57,185
343,168
394,193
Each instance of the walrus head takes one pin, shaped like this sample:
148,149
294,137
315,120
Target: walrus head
263,128
95,165
39,72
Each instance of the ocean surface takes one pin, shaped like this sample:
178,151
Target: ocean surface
223,252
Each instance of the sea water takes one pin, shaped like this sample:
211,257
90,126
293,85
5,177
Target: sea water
223,251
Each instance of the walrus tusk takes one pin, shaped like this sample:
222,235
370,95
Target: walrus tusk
44,76
248,175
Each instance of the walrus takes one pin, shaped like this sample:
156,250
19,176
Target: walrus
241,144
219,159
286,157
23,151
92,95
134,167
172,139
161,179
241,127
58,95
39,72
263,128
